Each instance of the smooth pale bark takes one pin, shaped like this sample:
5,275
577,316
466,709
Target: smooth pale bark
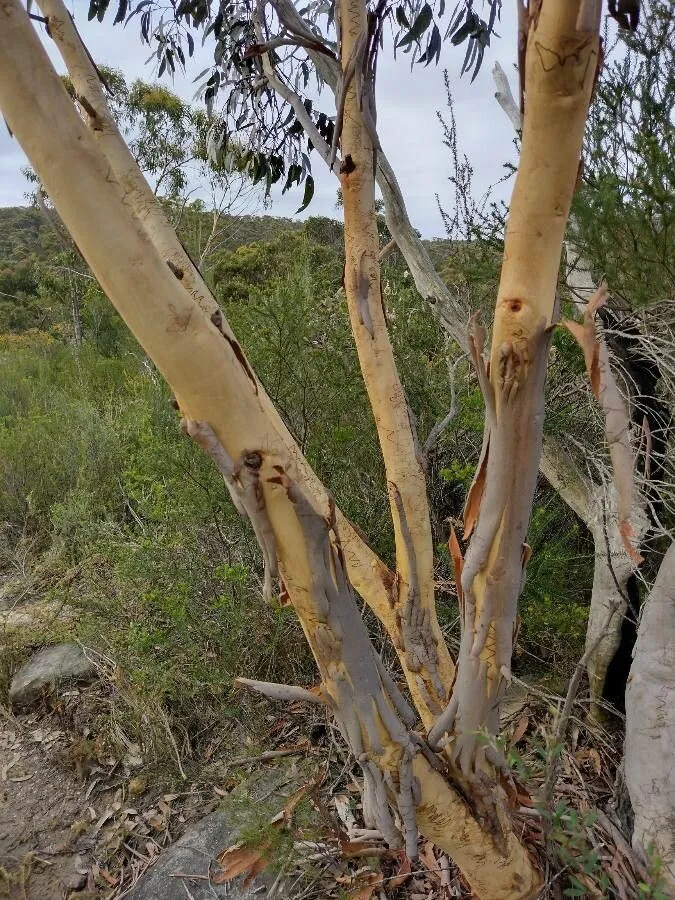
420,639
650,725
560,64
136,191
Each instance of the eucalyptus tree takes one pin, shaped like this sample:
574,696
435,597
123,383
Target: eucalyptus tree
433,766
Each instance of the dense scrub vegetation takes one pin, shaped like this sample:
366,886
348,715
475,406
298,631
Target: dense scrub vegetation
107,507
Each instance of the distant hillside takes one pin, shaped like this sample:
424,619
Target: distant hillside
24,232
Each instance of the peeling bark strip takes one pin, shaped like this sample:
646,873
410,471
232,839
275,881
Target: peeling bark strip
417,639
557,62
365,705
219,322
615,410
243,483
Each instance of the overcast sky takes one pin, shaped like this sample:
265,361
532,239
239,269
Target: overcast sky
407,103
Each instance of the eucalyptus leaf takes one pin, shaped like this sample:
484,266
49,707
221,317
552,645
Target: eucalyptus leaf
309,193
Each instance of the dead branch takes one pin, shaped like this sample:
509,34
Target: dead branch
442,424
285,692
505,98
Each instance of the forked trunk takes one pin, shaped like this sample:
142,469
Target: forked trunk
109,210
431,671
228,413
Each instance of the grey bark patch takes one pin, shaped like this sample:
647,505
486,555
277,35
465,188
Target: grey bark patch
47,669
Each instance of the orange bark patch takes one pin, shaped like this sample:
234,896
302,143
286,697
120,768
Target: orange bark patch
457,562
475,496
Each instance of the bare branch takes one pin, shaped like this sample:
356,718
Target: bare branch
285,692
505,97
287,94
439,427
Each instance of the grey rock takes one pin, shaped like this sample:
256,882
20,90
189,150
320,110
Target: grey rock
48,668
75,882
76,879
194,854
196,851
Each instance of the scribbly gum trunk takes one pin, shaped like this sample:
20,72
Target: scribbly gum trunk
560,65
426,662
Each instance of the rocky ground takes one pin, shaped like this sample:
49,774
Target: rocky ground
90,835
80,818
84,813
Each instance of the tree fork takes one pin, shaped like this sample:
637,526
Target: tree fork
217,386
429,682
133,256
400,772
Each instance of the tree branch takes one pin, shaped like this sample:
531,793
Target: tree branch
425,654
286,692
440,426
505,98
287,94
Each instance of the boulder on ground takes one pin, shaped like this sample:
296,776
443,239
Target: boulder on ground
195,853
47,669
